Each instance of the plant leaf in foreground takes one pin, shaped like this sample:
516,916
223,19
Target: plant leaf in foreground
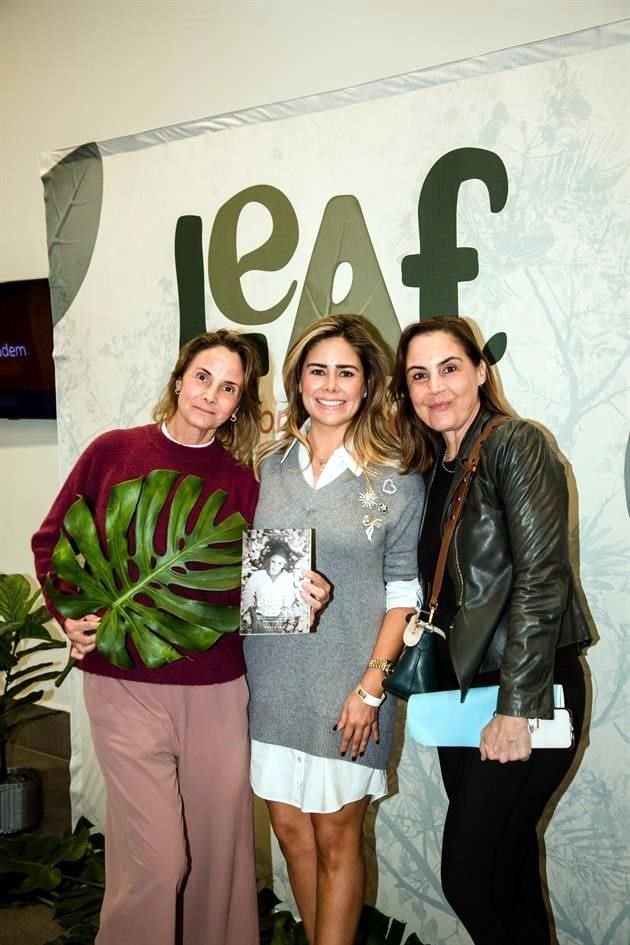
138,588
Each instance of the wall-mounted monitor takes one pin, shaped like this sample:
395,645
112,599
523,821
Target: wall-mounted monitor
27,373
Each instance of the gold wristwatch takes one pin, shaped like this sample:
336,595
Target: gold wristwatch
386,666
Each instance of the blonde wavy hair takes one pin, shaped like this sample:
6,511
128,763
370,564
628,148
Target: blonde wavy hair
418,443
240,438
369,437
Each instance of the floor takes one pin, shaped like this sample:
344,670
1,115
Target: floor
33,925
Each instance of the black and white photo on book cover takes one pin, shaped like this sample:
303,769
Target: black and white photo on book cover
273,561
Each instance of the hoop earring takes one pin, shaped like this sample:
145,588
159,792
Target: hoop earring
233,418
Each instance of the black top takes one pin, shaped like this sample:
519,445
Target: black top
429,546
428,551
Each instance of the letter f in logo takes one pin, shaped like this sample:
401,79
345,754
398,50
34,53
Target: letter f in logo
441,263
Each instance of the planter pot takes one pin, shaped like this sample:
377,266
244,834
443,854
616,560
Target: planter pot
20,800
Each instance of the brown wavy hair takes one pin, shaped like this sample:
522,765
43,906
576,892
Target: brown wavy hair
369,437
240,438
418,443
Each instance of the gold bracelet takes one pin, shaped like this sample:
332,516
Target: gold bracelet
385,666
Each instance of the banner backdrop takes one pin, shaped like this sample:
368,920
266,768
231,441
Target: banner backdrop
495,188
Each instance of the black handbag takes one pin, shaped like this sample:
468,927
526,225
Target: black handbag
416,669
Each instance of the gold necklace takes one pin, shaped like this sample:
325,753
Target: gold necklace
320,460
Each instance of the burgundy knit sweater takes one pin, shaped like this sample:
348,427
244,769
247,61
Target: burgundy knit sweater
128,454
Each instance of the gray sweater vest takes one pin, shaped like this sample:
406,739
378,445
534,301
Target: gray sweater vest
298,683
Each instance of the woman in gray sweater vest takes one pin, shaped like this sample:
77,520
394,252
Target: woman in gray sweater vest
321,729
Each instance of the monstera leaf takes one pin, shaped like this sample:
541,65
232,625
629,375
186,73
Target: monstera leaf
135,584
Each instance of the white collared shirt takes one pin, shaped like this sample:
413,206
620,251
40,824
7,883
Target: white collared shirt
397,593
336,464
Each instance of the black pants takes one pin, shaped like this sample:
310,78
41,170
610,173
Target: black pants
490,856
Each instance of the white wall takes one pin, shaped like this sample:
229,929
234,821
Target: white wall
85,70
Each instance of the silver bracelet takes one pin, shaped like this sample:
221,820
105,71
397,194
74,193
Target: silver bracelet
374,701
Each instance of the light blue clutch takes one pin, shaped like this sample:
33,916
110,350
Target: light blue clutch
441,719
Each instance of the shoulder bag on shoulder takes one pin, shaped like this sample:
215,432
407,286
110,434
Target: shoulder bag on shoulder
415,670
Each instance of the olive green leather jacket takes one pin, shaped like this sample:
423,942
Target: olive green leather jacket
509,564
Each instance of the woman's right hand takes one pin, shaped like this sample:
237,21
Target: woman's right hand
82,635
505,738
358,722
315,590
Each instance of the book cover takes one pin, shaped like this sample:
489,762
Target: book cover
273,560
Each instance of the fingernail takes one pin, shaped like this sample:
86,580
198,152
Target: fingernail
334,728
343,754
361,753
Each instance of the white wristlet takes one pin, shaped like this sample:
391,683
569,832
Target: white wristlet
374,701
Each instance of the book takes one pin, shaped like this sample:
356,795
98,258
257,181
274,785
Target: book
271,577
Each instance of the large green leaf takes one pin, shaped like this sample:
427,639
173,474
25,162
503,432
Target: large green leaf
140,589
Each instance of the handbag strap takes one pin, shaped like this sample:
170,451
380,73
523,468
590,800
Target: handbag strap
457,507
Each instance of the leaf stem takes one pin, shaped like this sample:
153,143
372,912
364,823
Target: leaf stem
62,675
79,881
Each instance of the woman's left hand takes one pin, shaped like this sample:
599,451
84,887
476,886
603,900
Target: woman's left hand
358,721
315,590
505,738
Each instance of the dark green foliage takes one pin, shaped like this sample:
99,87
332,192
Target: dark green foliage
67,874
280,928
20,623
134,585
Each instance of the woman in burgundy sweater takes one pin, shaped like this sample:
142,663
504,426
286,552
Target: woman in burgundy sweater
173,742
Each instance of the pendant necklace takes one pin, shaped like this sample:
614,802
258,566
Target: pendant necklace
445,461
320,460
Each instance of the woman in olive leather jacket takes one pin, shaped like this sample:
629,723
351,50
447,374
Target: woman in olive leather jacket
511,618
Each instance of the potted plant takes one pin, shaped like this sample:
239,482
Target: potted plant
22,634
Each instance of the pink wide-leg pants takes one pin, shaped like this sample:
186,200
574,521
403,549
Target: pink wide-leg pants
179,856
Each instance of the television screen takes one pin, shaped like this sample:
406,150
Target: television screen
27,373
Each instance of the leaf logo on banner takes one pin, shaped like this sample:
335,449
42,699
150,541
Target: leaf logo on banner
495,348
343,237
135,584
73,194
